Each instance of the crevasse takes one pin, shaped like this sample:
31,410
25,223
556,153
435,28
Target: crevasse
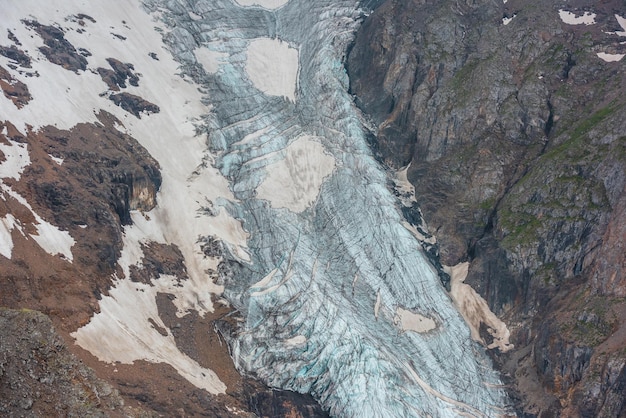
326,280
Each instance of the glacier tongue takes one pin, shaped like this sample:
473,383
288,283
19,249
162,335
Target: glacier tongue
327,277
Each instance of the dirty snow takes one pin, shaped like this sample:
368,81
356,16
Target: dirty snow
272,67
296,341
403,185
209,59
294,182
411,321
475,310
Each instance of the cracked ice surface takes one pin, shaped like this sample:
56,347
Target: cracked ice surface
326,282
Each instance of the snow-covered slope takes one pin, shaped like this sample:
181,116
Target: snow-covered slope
262,148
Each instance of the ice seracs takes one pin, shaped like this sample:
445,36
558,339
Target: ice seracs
317,261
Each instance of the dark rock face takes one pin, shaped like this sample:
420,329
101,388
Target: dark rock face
13,89
120,73
134,104
515,139
57,49
16,55
273,403
99,155
159,259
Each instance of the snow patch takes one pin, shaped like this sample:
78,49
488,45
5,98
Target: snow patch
57,160
475,310
272,67
16,159
7,224
294,182
123,332
411,321
50,238
417,234
622,23
570,18
507,20
610,57
266,4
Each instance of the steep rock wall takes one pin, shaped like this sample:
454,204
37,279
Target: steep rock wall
513,125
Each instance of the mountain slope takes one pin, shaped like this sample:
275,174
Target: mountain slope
92,100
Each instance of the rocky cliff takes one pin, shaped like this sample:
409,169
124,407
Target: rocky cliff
510,117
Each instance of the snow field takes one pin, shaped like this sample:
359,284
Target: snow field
121,331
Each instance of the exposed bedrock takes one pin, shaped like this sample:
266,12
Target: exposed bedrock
85,180
513,125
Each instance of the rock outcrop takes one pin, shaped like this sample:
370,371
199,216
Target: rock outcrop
39,377
511,120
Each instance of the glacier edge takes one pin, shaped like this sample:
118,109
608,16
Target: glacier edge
309,325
